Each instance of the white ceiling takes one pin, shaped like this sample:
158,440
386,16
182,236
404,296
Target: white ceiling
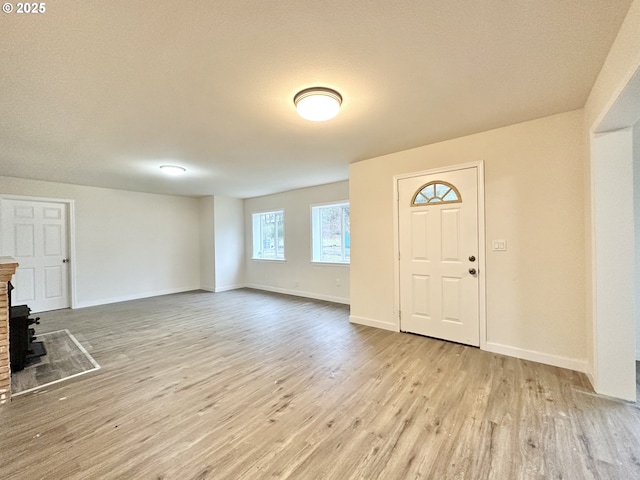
102,93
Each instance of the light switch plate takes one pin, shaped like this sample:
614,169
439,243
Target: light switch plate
499,245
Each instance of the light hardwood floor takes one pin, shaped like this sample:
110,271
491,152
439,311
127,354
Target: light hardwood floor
252,385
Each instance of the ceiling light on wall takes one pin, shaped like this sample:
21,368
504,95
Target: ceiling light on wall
318,103
173,170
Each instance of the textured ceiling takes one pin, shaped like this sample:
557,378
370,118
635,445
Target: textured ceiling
102,93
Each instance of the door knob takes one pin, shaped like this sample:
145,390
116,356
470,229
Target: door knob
472,271
65,260
472,258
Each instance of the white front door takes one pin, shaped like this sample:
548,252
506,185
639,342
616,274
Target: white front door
438,240
35,234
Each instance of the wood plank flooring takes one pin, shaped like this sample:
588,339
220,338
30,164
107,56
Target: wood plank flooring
253,385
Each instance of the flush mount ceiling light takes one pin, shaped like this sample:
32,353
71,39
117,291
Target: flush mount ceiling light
172,170
318,103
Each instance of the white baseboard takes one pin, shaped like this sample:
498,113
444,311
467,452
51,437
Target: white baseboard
546,358
138,296
370,322
210,288
299,293
638,355
228,287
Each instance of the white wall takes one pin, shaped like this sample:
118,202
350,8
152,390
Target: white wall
533,199
207,244
636,212
297,275
622,63
613,266
229,243
128,244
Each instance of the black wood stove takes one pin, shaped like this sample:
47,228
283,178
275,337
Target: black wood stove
22,346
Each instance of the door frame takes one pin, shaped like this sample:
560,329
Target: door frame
482,303
71,235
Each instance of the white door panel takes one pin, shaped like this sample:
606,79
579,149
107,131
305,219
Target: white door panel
52,240
24,285
439,297
35,234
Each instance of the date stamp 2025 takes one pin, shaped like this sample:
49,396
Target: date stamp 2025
27,8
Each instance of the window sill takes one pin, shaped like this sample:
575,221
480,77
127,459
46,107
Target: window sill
281,260
330,264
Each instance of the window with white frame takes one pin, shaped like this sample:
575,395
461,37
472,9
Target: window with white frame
268,235
330,233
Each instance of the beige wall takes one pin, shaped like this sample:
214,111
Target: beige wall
588,255
207,244
221,243
229,243
297,275
636,212
128,244
534,200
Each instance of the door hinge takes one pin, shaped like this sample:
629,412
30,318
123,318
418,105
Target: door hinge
399,314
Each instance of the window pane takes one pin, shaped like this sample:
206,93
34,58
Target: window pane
331,228
451,196
268,235
441,190
330,231
279,235
420,198
347,233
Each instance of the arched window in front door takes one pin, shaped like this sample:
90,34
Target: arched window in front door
436,192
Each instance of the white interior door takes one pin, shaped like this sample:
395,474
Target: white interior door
438,241
35,234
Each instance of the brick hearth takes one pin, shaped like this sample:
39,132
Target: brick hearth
7,268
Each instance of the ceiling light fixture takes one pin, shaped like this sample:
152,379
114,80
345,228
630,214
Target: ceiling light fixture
318,103
172,170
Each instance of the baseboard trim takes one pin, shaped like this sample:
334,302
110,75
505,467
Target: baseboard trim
298,293
139,296
207,288
227,288
370,322
540,357
638,355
